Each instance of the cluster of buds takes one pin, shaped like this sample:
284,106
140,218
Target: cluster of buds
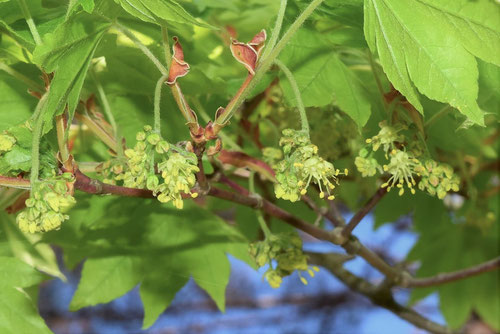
6,143
178,173
177,168
140,159
48,202
286,250
366,166
403,166
437,179
301,166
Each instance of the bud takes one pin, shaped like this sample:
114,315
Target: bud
6,142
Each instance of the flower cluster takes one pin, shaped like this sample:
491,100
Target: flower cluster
437,178
366,166
286,250
401,167
140,159
404,168
178,173
386,137
177,168
49,200
6,143
301,166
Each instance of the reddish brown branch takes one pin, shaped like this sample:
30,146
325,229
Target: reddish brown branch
454,276
328,214
356,219
272,210
92,186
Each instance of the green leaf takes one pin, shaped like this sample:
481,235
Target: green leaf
105,279
131,241
348,12
67,52
87,5
18,313
322,77
28,248
16,273
446,246
489,87
475,23
155,11
15,98
155,297
418,49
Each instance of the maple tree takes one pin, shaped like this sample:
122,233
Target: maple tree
289,109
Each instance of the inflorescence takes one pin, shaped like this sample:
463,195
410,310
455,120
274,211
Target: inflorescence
49,200
403,167
152,155
286,251
302,166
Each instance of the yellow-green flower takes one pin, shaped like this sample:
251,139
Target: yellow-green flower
437,179
6,143
401,167
48,202
366,166
302,166
178,173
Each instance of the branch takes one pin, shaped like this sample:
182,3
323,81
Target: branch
273,210
200,175
381,296
328,214
92,186
351,245
266,63
14,182
363,212
455,275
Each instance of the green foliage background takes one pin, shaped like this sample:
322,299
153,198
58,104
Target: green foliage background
441,55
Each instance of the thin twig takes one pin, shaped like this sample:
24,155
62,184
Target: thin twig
166,45
272,210
92,186
30,22
21,77
35,143
381,296
276,30
324,212
455,275
356,219
298,98
157,101
105,103
266,63
98,131
142,47
200,175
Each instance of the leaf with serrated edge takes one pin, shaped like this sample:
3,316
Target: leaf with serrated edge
412,42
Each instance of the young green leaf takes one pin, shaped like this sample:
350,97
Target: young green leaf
416,47
163,251
67,52
322,77
156,11
18,313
